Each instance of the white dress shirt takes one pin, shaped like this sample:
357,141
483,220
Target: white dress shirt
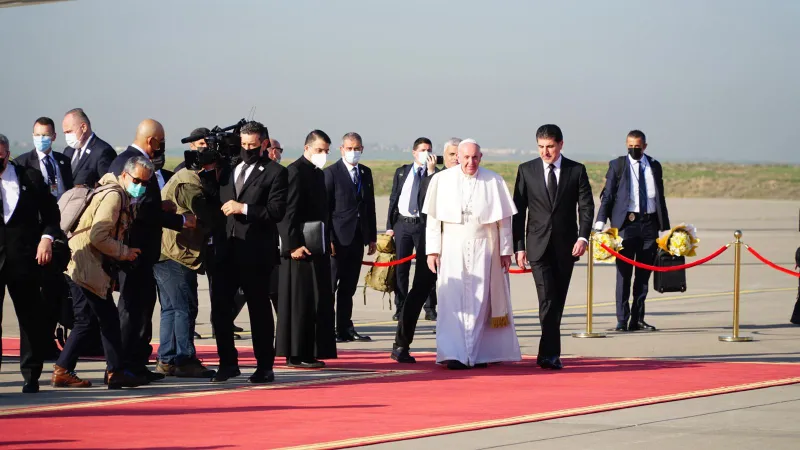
633,198
405,191
79,152
10,191
247,174
350,170
160,177
557,169
43,168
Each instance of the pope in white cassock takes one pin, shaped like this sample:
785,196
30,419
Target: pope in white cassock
469,245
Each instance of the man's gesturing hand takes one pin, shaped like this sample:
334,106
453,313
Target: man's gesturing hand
232,207
579,249
433,263
521,257
300,253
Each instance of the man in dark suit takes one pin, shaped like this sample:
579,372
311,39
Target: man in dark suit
550,189
404,223
29,218
57,174
90,156
254,200
424,279
351,204
137,298
633,199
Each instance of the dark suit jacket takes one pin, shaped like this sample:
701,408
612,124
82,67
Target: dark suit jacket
94,164
145,231
616,195
349,209
36,214
397,187
31,160
546,223
264,192
167,174
305,202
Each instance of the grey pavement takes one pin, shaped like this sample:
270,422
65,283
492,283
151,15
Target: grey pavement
689,324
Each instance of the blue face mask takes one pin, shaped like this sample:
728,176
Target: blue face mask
136,190
42,143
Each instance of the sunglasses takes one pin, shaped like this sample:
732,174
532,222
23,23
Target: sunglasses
140,181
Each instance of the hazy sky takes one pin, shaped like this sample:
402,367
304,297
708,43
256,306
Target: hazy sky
704,79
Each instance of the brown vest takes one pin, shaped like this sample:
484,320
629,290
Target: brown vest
188,246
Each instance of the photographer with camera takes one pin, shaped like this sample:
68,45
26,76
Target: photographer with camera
193,189
253,200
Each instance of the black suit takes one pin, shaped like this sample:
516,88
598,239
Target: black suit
35,214
166,174
424,283
407,234
94,162
550,232
245,257
137,283
31,160
638,236
352,217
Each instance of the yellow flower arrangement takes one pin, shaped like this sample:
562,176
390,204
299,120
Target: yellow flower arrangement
611,239
681,240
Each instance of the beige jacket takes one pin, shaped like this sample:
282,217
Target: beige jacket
106,219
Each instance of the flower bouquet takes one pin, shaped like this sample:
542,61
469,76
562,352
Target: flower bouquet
681,240
611,239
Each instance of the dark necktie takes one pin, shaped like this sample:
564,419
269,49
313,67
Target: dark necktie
77,158
642,190
239,184
413,200
51,170
552,184
355,179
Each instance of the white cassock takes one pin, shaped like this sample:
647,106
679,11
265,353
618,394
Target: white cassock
469,226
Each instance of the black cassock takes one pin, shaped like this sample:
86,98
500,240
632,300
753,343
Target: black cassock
305,299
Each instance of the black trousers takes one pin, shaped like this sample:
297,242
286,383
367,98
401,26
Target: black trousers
424,283
27,299
92,311
552,274
137,301
796,313
345,272
639,243
230,275
55,293
406,238
273,288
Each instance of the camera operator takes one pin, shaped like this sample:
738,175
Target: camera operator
194,190
254,200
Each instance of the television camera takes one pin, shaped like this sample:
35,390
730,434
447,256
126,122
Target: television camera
224,145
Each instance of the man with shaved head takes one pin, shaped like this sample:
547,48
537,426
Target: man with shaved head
90,155
469,246
137,283
275,150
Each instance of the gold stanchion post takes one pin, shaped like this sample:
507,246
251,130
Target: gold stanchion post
589,294
737,266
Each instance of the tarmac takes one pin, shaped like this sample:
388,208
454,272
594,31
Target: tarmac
688,328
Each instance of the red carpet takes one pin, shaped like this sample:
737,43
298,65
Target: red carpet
366,407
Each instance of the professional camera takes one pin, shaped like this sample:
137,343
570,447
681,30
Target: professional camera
224,145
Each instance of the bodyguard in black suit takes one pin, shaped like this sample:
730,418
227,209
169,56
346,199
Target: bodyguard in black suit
351,203
633,199
29,217
254,200
424,279
137,283
550,189
89,155
404,222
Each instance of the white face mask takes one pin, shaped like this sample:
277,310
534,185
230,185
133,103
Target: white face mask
352,157
422,157
72,140
319,159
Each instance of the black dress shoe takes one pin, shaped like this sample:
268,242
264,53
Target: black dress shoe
641,326
262,376
359,337
197,335
396,315
795,320
481,366
237,329
225,373
30,387
550,362
152,376
456,365
431,315
621,326
298,363
401,355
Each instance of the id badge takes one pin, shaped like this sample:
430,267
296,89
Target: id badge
54,189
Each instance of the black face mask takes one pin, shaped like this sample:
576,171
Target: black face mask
207,156
636,153
250,156
159,161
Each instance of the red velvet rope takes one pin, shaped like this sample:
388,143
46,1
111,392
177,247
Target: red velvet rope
390,263
772,264
666,269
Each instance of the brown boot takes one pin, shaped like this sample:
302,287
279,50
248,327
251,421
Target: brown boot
68,379
193,369
124,379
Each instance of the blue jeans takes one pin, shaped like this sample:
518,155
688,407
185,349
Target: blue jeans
177,290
